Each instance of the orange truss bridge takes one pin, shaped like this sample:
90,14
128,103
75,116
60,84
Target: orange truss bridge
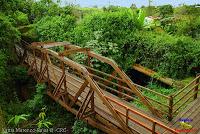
101,99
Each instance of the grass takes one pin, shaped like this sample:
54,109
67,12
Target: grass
187,80
165,91
158,88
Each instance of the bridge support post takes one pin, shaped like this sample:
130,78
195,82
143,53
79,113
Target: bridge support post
82,113
31,70
196,88
154,128
58,91
83,86
23,57
45,70
170,114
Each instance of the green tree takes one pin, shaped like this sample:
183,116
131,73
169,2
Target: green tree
42,8
57,28
37,100
187,10
114,26
9,35
21,18
82,128
187,22
166,10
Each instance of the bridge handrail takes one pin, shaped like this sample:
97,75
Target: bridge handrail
183,96
123,76
175,101
170,98
84,71
189,84
92,83
143,116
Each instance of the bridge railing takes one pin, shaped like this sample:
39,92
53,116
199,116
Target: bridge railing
184,96
161,106
82,71
173,104
113,83
39,52
118,84
170,104
153,127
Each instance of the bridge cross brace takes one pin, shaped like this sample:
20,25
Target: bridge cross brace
41,77
89,99
23,56
31,70
58,91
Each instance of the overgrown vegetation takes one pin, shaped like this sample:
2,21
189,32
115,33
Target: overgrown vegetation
81,127
169,43
155,86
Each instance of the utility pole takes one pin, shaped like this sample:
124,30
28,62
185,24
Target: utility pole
150,1
149,8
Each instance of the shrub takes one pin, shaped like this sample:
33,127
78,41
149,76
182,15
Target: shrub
9,35
172,56
188,26
37,101
82,128
166,10
56,28
21,18
114,26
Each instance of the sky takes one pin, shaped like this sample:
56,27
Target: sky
127,3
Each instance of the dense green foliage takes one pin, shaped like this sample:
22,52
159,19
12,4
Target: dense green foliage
117,33
81,127
8,33
114,27
56,28
166,10
155,86
169,45
172,56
